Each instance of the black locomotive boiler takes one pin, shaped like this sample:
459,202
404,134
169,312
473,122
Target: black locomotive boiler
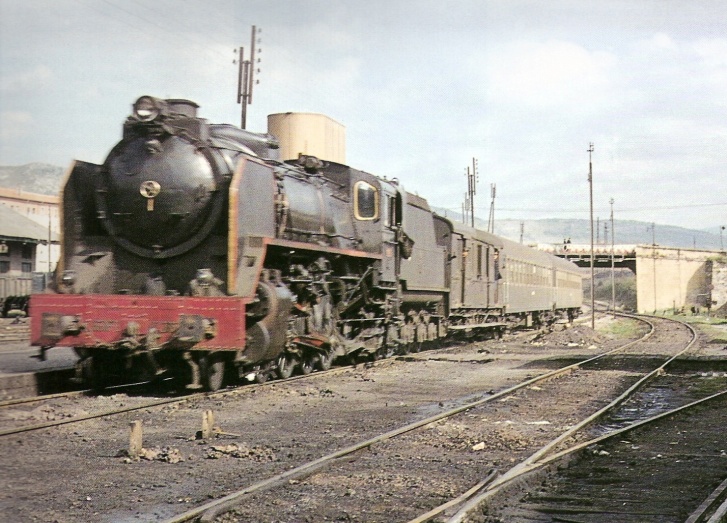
195,252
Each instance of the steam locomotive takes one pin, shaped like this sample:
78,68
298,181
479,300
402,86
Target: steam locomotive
194,252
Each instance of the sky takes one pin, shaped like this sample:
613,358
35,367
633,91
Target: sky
422,87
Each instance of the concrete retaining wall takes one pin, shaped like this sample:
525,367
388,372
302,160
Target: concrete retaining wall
682,278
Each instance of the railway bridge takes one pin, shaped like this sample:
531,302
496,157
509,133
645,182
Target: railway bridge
666,277
624,256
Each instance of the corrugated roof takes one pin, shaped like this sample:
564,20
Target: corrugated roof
14,225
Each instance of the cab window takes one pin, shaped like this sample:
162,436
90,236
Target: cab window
365,201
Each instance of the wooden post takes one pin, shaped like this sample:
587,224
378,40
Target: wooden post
208,421
135,439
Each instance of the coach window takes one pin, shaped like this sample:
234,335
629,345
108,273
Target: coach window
365,201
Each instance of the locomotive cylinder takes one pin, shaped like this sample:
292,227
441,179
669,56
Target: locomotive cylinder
266,338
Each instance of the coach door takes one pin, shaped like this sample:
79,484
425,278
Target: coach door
495,277
462,255
489,284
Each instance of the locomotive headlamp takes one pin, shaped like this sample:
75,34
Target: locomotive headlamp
146,109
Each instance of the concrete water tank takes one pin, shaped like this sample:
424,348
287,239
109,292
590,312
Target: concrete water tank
308,133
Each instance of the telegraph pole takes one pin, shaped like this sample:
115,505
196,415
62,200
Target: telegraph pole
598,230
653,257
613,264
246,74
593,272
50,237
466,208
491,221
472,179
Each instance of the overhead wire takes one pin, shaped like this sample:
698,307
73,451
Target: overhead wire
585,210
189,21
179,36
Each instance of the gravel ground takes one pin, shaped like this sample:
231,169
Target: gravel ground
82,472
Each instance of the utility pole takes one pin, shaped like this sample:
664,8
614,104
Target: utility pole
653,258
491,220
472,179
522,231
593,272
721,243
246,74
598,230
50,243
613,264
466,208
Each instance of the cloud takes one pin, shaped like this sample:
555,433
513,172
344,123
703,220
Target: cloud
29,79
712,52
15,124
661,41
548,74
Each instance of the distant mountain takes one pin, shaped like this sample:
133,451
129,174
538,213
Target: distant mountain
39,178
42,178
629,232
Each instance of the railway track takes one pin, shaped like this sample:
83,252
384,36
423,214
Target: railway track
641,459
301,431
141,403
654,470
279,486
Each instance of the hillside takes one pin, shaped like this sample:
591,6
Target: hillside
627,232
554,231
46,179
39,178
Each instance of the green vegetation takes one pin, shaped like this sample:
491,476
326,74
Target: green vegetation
621,328
624,283
709,385
696,319
715,328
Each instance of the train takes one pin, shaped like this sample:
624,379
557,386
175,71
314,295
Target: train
196,255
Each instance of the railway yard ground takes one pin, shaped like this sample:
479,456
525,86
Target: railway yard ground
22,373
85,471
